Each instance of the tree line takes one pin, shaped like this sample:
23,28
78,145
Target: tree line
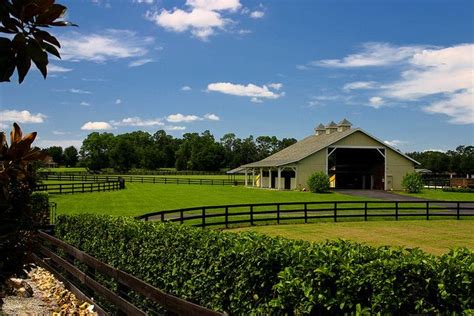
459,161
143,150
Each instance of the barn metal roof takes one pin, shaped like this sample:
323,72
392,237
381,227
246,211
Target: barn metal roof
311,145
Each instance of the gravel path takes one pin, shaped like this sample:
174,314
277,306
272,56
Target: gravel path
49,297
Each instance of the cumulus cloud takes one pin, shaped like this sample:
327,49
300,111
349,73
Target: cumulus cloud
201,17
175,128
211,117
445,74
186,88
108,45
20,117
360,85
84,103
178,118
144,1
96,126
257,14
376,102
372,54
118,101
136,121
250,90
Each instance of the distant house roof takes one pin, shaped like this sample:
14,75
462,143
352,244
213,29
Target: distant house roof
311,145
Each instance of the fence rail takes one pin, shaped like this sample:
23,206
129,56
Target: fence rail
67,269
143,179
80,187
226,215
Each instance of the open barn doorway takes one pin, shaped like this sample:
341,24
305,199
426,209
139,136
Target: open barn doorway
357,168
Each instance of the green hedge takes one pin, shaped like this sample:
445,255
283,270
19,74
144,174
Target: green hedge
458,190
250,273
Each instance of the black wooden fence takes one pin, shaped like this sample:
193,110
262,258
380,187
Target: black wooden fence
80,187
143,179
226,215
82,273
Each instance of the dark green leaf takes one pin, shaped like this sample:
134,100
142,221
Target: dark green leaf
45,36
51,49
54,12
39,57
23,63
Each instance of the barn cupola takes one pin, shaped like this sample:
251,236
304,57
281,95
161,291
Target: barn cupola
331,128
343,125
320,130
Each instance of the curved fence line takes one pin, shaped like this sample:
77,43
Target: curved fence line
226,215
80,187
141,179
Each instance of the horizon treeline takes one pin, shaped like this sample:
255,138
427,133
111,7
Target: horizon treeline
202,152
142,150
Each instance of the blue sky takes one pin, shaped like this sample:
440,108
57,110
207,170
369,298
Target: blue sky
401,70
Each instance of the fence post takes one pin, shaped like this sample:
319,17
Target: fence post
122,291
251,215
60,188
181,216
226,217
278,213
335,211
82,187
457,210
365,211
203,217
396,211
305,213
427,210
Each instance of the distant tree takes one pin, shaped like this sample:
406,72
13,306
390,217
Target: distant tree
266,145
56,152
123,153
286,142
24,20
70,156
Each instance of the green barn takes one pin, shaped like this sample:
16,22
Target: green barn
351,157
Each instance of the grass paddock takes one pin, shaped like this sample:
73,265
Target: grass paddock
436,236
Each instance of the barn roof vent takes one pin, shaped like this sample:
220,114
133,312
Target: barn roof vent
343,125
320,129
331,128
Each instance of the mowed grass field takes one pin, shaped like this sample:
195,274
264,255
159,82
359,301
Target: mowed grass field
431,194
140,198
435,236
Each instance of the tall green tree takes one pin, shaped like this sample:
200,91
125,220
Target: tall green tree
70,156
56,152
95,150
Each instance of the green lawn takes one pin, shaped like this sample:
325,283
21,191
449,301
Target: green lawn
139,198
436,236
432,194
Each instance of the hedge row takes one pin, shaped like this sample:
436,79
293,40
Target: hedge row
250,273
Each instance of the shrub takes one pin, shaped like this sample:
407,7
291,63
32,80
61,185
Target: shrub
40,208
318,182
412,182
250,273
458,190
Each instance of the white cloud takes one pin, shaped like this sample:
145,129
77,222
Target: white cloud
360,85
79,91
276,86
395,142
302,67
211,117
186,88
109,45
3,126
250,90
215,5
118,101
52,68
90,126
144,1
372,54
178,118
255,100
21,116
59,133
136,121
140,62
175,128
201,17
376,102
257,14
443,73
84,103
